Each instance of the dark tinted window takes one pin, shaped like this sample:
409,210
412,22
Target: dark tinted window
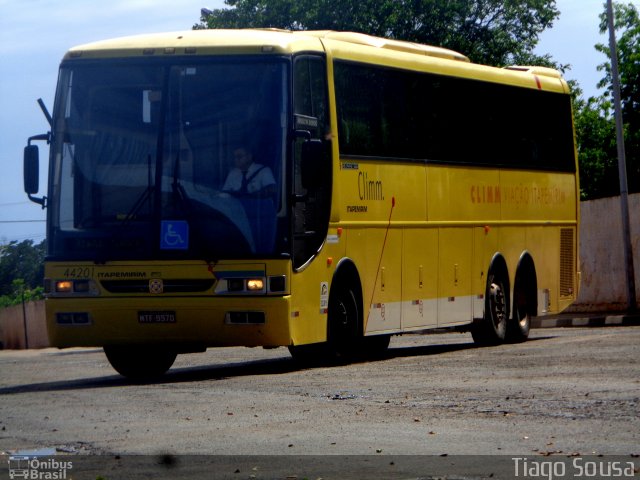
310,93
391,113
313,202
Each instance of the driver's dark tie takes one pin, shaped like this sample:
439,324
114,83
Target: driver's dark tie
243,185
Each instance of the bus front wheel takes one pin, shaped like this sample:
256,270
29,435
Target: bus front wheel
139,362
344,321
342,331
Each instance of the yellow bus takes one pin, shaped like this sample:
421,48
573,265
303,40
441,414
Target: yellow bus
317,190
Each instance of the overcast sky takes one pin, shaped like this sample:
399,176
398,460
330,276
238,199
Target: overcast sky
35,34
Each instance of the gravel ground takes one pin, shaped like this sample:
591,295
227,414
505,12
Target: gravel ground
564,392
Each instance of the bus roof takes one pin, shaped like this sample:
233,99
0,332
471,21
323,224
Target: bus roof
201,42
346,45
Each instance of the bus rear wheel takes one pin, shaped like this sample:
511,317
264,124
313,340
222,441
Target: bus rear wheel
525,302
519,325
492,329
140,362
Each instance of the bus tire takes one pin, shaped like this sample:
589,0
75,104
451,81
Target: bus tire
519,326
138,362
492,328
525,301
344,334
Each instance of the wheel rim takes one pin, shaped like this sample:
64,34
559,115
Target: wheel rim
343,315
498,306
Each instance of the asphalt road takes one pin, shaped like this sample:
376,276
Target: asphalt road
565,392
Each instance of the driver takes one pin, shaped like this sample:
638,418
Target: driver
248,177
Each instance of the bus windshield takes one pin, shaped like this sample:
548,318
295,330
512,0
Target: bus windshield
152,159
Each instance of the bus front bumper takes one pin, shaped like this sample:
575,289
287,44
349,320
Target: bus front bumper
182,321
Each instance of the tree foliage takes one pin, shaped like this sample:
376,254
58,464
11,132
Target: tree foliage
627,26
596,139
595,126
21,293
493,32
21,267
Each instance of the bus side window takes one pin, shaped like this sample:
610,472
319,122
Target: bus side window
312,204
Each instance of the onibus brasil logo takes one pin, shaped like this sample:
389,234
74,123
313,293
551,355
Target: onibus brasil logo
38,468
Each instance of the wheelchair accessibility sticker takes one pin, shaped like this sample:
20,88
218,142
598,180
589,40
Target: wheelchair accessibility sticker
174,235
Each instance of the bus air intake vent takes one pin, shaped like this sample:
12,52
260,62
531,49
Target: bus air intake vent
567,267
169,286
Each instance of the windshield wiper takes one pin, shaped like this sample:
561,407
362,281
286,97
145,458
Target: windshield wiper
144,196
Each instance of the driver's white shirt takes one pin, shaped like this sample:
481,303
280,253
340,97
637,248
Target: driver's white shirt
260,180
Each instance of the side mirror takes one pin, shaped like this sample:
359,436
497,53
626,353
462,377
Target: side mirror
315,169
31,169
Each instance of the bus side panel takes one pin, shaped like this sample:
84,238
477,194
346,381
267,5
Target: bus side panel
420,278
380,200
381,287
538,196
544,249
310,292
454,272
470,195
458,194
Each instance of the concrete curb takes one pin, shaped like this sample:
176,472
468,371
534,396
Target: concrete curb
586,320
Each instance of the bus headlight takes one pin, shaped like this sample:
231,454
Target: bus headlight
254,284
64,286
243,285
70,287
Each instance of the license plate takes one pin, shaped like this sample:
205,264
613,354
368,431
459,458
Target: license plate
157,317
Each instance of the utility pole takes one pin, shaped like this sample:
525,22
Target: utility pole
622,164
24,320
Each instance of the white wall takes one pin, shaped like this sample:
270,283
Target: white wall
603,286
12,323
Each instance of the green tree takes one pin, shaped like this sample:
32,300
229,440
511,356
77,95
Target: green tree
627,27
20,293
23,261
596,139
494,32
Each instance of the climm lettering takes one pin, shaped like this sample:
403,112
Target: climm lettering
369,189
485,194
